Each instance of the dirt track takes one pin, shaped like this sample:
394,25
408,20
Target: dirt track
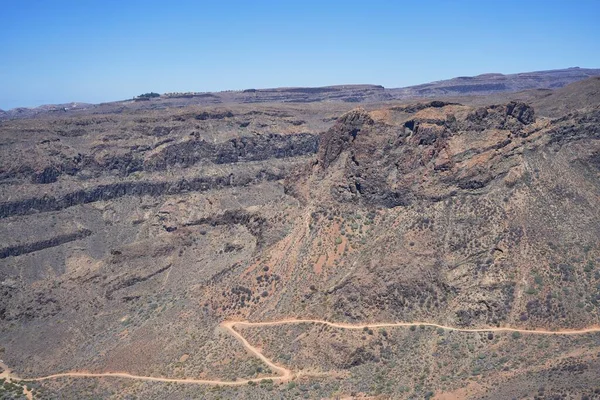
283,374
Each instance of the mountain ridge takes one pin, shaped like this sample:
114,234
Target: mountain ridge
482,84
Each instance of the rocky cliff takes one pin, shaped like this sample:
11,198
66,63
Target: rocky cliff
128,237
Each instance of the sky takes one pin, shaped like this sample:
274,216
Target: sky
58,51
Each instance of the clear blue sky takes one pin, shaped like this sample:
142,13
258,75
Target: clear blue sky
55,51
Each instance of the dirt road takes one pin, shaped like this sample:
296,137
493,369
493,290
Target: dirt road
282,374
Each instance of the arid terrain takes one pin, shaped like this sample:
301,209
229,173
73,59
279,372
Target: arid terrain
440,241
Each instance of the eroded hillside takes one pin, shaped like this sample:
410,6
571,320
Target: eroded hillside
128,238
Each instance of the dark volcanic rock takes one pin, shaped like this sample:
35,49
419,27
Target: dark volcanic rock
375,164
523,112
258,148
255,223
17,250
48,175
342,135
138,188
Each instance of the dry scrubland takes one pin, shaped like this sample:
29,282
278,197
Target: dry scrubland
130,234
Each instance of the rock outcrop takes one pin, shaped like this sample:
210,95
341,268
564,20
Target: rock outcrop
129,237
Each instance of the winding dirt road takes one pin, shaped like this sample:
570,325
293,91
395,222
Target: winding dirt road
282,374
342,325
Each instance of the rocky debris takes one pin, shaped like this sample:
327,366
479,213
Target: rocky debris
490,308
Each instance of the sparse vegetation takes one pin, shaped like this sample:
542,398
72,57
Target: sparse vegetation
221,211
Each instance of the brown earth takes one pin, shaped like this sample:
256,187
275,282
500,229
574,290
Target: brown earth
130,238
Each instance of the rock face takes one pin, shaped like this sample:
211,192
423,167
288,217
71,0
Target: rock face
13,251
115,190
183,154
342,135
522,112
128,237
382,164
244,149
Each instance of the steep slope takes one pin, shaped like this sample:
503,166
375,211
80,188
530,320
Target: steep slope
482,216
578,95
127,244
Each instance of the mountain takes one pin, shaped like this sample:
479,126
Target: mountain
485,84
431,248
493,83
579,95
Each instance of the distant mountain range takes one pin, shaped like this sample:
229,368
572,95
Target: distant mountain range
484,84
492,83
